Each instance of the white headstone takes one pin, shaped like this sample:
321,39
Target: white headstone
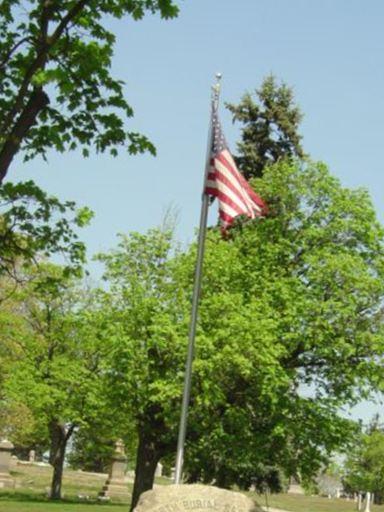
368,502
159,469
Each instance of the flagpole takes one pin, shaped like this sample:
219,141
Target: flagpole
195,296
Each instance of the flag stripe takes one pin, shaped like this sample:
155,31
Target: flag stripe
224,181
226,166
229,178
226,220
241,185
226,201
226,191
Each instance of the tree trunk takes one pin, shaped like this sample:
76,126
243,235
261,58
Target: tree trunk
59,438
148,455
221,479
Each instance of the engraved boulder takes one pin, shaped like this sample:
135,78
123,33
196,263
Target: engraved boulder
194,498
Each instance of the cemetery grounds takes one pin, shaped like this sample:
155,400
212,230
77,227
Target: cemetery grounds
80,492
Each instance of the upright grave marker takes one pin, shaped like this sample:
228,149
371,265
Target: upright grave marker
6,448
115,486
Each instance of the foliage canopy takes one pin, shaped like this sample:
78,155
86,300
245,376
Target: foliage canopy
290,330
364,467
35,225
60,359
56,89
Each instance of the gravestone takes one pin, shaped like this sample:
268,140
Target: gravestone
32,456
159,469
6,448
13,463
194,498
295,487
115,486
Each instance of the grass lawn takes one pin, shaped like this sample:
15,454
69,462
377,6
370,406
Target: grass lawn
14,505
299,503
32,484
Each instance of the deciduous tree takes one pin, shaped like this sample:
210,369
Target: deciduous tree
146,305
364,467
290,330
56,88
57,373
35,225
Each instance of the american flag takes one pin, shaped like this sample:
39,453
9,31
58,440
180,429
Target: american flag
225,182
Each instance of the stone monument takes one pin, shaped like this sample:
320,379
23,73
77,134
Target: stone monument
194,498
115,486
6,448
159,470
295,487
32,456
13,463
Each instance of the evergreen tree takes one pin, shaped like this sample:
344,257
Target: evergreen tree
269,127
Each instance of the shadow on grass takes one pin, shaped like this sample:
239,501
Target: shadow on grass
23,496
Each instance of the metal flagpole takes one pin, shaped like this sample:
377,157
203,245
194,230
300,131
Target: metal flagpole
196,295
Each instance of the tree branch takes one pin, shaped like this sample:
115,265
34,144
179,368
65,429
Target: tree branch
70,431
12,50
30,111
36,103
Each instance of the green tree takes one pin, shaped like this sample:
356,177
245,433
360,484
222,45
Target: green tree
56,88
60,358
92,448
34,225
17,421
364,467
94,443
269,127
146,305
292,327
290,330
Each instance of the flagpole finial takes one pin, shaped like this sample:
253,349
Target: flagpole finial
216,89
218,77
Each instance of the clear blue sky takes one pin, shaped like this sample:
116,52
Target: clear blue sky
329,51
